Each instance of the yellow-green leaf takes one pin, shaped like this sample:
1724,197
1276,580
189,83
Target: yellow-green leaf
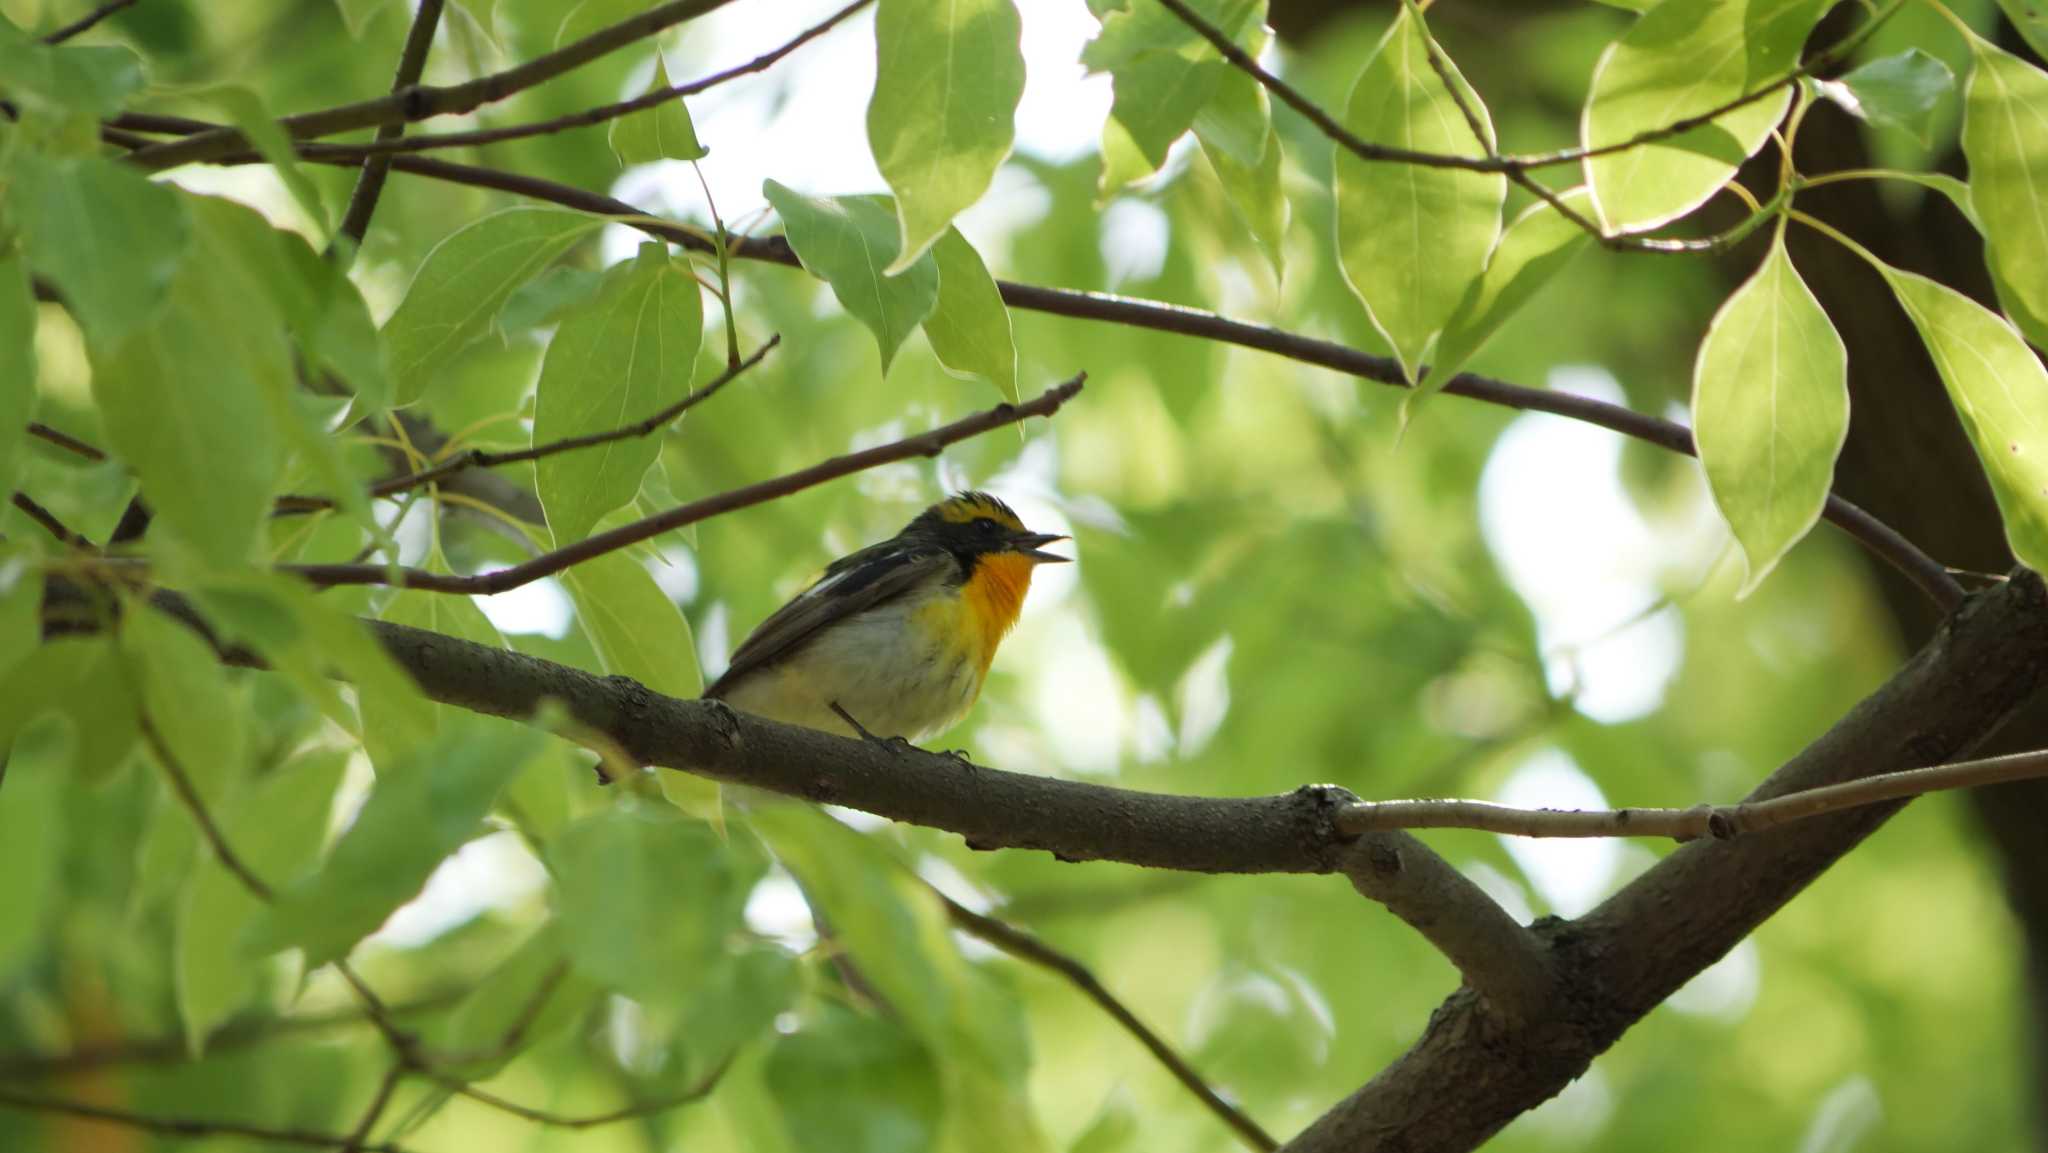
947,81
1685,58
2005,138
663,132
969,327
17,363
616,359
1770,407
108,239
1413,240
851,241
2001,392
1535,248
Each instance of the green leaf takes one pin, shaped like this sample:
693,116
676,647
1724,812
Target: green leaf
663,132
246,110
423,807
1163,72
969,327
1685,58
1770,407
92,79
277,831
17,364
310,641
465,280
81,680
205,372
21,603
637,631
2030,19
2005,138
1535,248
108,239
2000,390
855,1084
32,841
616,359
1412,240
186,694
501,1007
1894,92
646,898
357,14
850,241
1253,187
1113,1127
947,81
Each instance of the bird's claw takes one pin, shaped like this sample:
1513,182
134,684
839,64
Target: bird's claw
897,745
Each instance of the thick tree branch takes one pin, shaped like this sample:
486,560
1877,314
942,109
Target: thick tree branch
419,103
1027,947
1473,1070
412,60
1499,959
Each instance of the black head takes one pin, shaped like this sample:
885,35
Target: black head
972,524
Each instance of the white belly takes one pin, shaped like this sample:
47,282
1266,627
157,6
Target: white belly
886,667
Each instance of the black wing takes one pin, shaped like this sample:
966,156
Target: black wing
854,583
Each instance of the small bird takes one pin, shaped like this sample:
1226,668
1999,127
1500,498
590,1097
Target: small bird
895,638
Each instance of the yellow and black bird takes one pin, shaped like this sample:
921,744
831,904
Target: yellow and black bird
899,635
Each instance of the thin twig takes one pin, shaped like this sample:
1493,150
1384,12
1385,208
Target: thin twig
1722,822
185,1126
693,1093
412,60
387,145
181,784
65,441
482,458
421,102
547,564
360,1135
1505,162
1027,947
49,521
87,21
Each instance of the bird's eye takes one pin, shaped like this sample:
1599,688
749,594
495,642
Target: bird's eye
987,527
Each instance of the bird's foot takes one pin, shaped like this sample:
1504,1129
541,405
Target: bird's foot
896,745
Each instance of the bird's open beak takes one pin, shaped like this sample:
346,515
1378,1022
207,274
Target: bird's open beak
1030,544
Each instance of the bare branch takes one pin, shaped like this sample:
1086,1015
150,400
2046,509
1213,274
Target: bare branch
87,21
184,1126
430,141
481,458
1722,822
48,520
689,1095
65,441
412,60
924,444
1024,946
359,1136
419,103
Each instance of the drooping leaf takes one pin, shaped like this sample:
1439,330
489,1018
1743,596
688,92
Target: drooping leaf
1413,240
1770,409
108,239
81,680
648,897
969,327
663,132
17,364
497,1019
246,110
2030,20
186,696
615,359
2001,392
201,374
277,831
850,241
32,840
1535,248
1685,58
1163,72
465,280
1252,185
424,806
947,81
2005,139
1898,91
855,1084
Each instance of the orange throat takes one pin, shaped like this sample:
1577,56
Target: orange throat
994,594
